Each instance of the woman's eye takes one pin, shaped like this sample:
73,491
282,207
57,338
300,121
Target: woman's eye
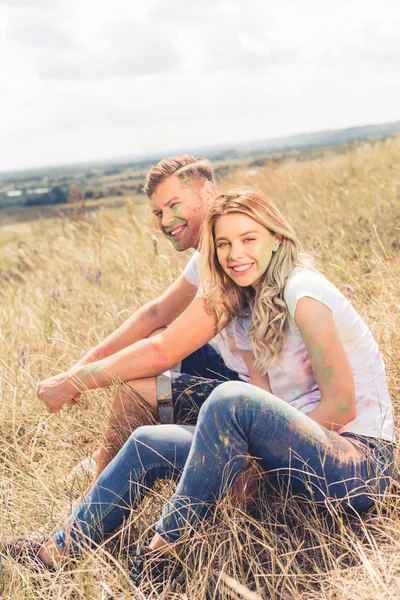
249,239
221,245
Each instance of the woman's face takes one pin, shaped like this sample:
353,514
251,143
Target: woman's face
244,248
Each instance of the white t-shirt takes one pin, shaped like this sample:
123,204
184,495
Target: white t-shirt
291,376
224,340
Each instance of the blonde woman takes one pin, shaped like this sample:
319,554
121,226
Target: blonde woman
317,416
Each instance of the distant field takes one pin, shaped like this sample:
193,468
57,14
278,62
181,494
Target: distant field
80,275
18,224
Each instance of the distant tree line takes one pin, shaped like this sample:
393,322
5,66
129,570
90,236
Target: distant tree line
56,195
71,194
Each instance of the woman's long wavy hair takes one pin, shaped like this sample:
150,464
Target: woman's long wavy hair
226,299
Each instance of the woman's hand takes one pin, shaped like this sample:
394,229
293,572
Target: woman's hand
245,486
59,390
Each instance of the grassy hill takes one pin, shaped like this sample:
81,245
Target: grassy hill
78,276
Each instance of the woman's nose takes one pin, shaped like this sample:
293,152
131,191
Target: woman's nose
236,252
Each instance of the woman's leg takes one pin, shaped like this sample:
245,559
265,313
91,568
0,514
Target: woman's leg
152,452
239,419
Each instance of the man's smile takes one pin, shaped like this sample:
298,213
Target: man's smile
175,231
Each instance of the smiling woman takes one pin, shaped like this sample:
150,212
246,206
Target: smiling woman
242,235
300,336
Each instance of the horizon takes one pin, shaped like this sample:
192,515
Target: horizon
157,155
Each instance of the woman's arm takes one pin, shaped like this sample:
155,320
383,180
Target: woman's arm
329,363
256,378
146,358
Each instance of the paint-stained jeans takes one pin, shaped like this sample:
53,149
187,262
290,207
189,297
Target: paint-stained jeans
237,420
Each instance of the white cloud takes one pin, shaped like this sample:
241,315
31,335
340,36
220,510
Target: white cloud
39,28
80,82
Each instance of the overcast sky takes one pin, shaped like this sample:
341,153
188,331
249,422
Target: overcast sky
86,79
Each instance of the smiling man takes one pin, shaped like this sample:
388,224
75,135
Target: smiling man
180,189
180,201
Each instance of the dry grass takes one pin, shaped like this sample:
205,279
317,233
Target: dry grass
80,278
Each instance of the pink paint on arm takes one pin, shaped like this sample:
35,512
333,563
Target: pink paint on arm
159,353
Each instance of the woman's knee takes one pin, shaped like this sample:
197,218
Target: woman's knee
225,397
231,395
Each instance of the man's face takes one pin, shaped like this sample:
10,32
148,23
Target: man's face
180,207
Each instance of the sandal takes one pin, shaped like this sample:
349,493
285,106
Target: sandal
159,570
26,551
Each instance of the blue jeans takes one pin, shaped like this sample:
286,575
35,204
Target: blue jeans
206,363
237,420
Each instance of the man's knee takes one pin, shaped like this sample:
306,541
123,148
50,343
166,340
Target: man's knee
143,434
151,439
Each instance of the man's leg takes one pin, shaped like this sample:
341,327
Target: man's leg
167,398
134,404
207,363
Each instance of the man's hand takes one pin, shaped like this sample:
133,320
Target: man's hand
57,391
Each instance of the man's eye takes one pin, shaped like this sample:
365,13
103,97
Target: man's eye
174,205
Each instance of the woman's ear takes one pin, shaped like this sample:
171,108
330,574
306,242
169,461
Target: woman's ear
277,241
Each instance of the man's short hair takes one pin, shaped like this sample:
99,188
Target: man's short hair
184,166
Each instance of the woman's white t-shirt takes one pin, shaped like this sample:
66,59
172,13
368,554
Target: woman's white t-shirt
291,376
224,340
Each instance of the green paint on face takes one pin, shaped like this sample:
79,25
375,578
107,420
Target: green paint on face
179,214
262,252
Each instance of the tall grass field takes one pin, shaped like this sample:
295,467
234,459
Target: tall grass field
77,278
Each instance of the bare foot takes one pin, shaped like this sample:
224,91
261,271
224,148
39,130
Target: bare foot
51,555
158,543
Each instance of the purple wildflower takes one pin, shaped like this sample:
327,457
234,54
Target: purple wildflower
23,357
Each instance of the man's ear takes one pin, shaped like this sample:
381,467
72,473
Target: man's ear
208,192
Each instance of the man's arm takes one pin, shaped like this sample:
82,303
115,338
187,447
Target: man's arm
153,315
145,358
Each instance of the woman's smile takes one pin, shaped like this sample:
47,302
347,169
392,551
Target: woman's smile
240,270
244,248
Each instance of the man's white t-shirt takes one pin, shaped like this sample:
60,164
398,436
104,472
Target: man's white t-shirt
224,340
291,376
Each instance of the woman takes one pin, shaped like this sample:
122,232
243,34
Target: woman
318,417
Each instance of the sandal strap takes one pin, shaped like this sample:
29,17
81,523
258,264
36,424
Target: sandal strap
26,551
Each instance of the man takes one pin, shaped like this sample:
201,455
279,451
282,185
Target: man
137,353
